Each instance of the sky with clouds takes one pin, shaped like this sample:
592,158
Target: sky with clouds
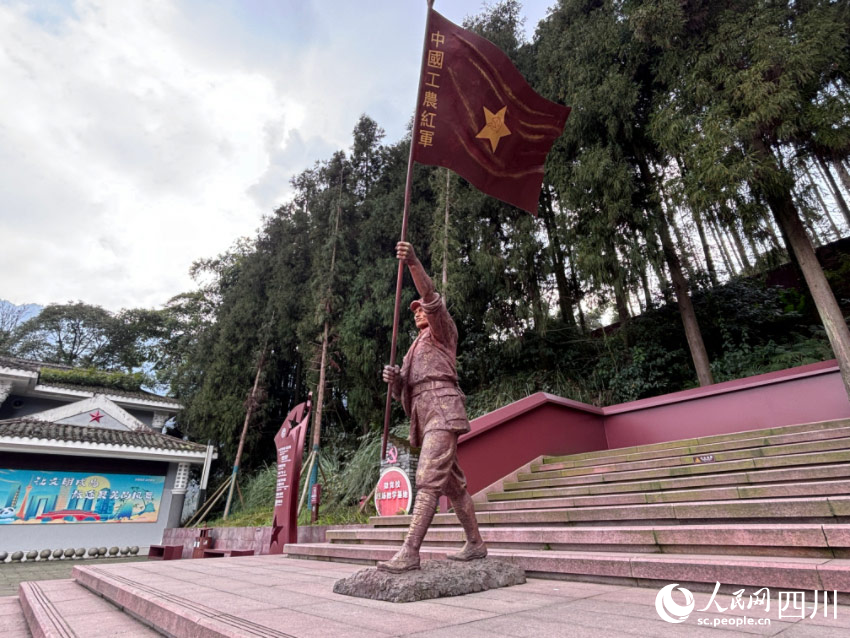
137,136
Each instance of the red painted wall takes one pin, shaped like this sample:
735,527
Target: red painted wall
797,395
508,438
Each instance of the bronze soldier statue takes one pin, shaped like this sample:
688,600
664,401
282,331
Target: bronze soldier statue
427,386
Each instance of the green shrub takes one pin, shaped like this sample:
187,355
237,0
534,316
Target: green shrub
131,382
747,361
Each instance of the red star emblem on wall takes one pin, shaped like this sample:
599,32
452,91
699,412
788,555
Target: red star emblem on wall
97,416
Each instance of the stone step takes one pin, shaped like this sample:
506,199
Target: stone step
731,492
13,623
705,440
800,475
628,567
829,509
742,465
178,603
807,447
716,449
810,540
65,609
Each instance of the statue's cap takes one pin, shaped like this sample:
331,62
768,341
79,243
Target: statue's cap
415,304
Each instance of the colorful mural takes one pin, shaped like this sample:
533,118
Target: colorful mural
30,496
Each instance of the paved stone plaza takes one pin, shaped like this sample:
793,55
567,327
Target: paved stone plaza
280,597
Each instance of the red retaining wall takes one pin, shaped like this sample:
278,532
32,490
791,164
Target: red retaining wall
510,437
798,395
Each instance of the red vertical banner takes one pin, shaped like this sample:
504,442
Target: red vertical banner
289,443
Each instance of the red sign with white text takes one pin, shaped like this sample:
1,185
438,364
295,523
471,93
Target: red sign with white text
393,494
290,448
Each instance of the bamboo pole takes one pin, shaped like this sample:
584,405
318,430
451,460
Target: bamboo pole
310,461
200,514
366,501
248,413
320,391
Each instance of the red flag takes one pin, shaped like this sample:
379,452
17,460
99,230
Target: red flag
479,117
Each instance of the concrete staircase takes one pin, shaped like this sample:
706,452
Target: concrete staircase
767,508
758,508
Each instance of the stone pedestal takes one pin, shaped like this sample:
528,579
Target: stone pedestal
436,579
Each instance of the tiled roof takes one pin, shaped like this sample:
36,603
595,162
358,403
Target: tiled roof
22,364
35,366
115,392
29,428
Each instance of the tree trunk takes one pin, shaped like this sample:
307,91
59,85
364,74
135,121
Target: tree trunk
656,258
806,219
663,282
822,203
565,296
709,260
836,193
813,233
680,239
753,243
537,311
843,174
575,287
630,303
739,245
833,319
774,239
828,309
695,255
726,237
620,301
686,309
724,254
644,282
680,285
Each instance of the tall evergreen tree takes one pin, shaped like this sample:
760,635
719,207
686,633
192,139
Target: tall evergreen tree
604,166
746,83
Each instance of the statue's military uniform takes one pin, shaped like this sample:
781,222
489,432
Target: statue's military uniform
432,399
428,390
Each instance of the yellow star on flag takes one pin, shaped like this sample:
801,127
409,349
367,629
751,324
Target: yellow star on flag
494,128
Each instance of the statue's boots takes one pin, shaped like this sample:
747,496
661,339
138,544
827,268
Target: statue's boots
407,558
465,512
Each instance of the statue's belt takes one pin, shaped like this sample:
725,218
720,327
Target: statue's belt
426,386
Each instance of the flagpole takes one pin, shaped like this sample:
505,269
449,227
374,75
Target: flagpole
408,185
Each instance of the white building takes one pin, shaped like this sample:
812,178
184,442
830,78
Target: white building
86,466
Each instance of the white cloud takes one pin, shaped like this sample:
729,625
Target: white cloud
140,135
